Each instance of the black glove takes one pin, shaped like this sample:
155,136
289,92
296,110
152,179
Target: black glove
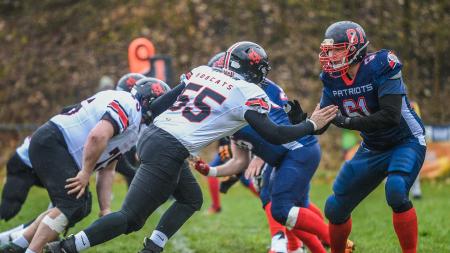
295,112
341,121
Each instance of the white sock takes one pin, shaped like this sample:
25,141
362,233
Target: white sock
159,238
5,236
21,242
81,241
29,251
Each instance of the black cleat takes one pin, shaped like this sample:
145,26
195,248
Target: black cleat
11,248
66,245
226,184
150,247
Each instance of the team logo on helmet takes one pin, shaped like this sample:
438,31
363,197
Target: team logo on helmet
131,82
254,57
157,89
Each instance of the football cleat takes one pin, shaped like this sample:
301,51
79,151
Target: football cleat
66,245
350,247
279,243
150,247
11,248
226,184
213,210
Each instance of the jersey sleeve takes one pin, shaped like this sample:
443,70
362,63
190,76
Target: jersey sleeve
389,75
255,99
121,111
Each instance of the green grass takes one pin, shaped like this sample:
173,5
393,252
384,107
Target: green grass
241,227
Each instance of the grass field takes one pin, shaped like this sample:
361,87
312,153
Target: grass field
242,227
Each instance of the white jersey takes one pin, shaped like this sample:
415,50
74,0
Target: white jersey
22,151
119,106
211,106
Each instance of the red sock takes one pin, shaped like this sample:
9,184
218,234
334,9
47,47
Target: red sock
214,191
315,209
293,241
339,235
251,187
311,241
309,222
405,225
274,226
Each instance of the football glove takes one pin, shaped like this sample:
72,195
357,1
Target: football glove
202,167
341,121
295,112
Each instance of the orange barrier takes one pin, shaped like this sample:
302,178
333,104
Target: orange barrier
140,51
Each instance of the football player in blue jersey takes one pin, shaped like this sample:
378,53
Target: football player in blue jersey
296,163
369,90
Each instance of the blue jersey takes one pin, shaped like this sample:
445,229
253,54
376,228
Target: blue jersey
379,74
272,154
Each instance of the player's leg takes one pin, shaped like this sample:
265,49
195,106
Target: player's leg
189,199
416,190
213,184
277,231
356,179
315,209
156,179
406,162
53,164
291,184
19,179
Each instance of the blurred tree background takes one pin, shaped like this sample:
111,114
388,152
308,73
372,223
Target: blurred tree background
53,52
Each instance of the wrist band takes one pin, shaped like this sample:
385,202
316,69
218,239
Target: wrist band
314,124
212,172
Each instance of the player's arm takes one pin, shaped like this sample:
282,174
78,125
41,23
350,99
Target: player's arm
280,134
104,182
96,143
238,163
165,101
387,117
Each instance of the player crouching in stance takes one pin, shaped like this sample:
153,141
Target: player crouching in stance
215,103
70,146
370,93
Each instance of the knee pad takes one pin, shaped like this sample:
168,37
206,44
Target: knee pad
280,211
397,193
57,224
334,211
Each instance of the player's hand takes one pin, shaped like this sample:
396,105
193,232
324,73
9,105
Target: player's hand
295,112
341,121
78,184
321,116
202,167
254,168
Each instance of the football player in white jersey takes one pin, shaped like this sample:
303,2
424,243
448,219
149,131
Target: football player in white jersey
21,176
71,146
215,103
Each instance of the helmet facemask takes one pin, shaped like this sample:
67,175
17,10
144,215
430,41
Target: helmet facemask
342,48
